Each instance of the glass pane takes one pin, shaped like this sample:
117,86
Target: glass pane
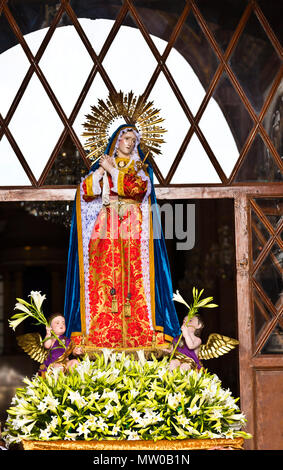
272,209
262,315
34,19
274,343
160,18
255,62
226,124
36,126
195,166
273,122
269,275
60,62
273,13
176,122
11,170
258,164
68,168
123,59
260,235
13,65
195,48
186,80
96,91
222,17
97,20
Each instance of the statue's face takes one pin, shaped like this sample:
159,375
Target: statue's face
58,325
127,143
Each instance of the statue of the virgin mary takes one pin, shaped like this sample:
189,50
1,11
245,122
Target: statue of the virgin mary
118,288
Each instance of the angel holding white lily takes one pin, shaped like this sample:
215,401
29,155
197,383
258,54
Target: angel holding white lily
52,351
187,350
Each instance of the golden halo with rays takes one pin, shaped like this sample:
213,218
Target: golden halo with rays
136,111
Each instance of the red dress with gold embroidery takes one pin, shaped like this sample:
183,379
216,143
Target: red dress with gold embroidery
116,261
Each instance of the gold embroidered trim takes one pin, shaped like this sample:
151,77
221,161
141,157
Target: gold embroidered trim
151,266
120,184
81,264
89,189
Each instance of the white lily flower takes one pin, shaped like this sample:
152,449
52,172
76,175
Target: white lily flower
51,402
27,429
21,307
37,298
178,298
44,434
115,430
134,393
141,357
193,410
76,397
239,416
14,323
132,435
106,353
83,429
67,414
216,414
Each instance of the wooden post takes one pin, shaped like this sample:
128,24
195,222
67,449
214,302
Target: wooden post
244,313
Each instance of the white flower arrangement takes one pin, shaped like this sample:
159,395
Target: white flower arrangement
115,396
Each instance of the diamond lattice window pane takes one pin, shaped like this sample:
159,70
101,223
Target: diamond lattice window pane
255,62
97,90
129,61
258,164
195,48
269,275
195,166
272,121
11,170
274,343
260,235
272,209
224,129
262,315
68,167
226,124
222,18
160,19
273,13
36,126
176,122
14,66
96,31
66,65
186,80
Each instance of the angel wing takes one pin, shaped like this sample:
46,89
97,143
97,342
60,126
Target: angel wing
216,346
32,345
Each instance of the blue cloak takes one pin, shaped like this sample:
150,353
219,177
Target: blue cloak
166,318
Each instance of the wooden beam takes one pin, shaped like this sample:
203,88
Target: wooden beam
169,192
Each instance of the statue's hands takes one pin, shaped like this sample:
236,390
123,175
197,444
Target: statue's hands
48,331
106,162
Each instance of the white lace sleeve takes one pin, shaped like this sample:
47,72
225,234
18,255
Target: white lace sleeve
114,176
96,177
144,177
